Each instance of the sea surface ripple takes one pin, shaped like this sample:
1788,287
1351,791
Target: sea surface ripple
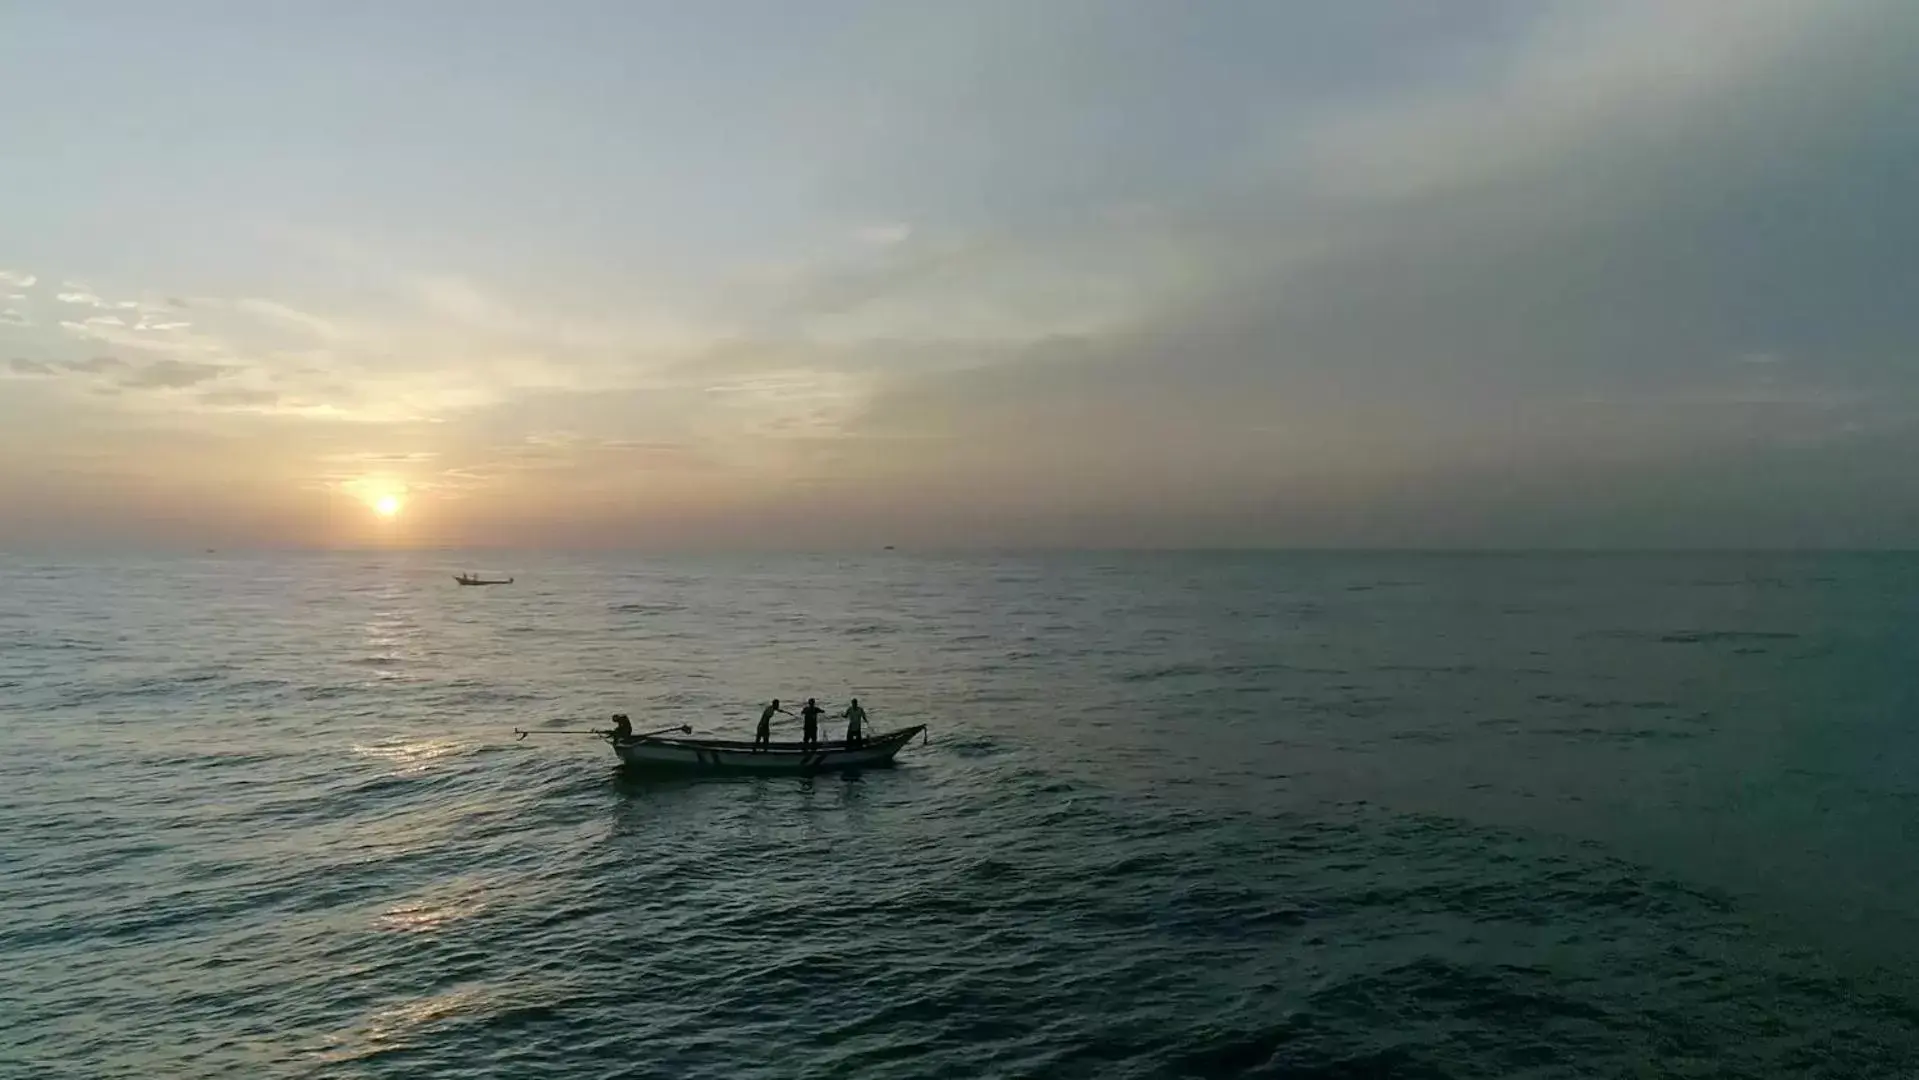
1178,816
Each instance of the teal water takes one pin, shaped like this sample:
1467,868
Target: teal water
1180,815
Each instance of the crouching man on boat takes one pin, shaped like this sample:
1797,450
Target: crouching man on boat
765,731
855,718
622,728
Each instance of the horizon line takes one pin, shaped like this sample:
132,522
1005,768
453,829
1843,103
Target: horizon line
962,550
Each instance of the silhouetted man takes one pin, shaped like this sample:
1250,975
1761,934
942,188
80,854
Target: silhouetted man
810,719
765,732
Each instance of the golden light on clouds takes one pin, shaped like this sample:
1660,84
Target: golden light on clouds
388,506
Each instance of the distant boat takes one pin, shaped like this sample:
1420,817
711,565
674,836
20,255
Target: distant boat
471,579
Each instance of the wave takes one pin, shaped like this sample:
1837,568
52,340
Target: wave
1204,884
1707,637
1170,671
1606,704
637,608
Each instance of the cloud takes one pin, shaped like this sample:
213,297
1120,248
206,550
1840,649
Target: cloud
812,403
366,459
113,373
588,459
10,317
240,398
566,449
114,330
284,315
94,366
885,235
1313,260
1577,72
1602,217
528,470
171,375
146,316
18,279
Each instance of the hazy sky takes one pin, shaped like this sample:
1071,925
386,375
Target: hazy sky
1375,272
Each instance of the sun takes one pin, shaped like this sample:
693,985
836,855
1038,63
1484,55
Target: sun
388,506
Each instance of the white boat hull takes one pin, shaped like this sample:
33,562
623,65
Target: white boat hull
717,755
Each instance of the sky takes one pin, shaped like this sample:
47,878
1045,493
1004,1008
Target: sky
837,274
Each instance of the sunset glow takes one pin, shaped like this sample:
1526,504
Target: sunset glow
960,275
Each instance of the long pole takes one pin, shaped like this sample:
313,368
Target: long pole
684,729
519,733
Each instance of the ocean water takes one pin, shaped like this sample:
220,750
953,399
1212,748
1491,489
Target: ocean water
1179,816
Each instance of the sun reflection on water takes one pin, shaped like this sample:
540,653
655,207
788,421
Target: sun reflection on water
410,756
391,1026
427,913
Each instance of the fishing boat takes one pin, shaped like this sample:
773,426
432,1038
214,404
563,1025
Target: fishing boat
474,579
656,752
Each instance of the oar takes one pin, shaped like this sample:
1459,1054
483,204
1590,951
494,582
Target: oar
520,734
684,729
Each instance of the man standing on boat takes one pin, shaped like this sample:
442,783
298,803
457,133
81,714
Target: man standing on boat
855,717
810,718
765,732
